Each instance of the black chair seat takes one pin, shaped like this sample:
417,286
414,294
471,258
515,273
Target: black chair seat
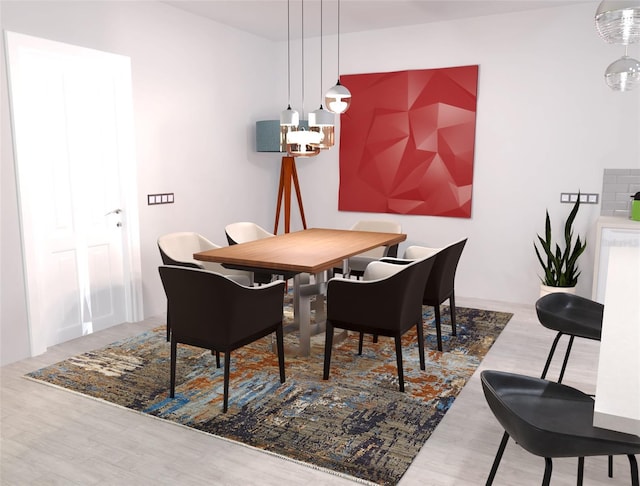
551,420
571,314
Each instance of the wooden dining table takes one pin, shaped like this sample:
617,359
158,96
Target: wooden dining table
311,252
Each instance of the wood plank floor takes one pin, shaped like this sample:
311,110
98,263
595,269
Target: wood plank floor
51,436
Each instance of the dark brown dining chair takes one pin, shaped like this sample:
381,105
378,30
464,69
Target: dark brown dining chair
178,249
386,302
441,283
211,311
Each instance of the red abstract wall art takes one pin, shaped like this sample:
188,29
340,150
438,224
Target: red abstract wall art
407,142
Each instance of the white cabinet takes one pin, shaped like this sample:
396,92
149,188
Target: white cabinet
611,232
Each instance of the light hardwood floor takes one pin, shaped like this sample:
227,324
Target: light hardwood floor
52,436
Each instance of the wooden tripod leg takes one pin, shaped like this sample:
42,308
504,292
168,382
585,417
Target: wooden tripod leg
299,195
279,200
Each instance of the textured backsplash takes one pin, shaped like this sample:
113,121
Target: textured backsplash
617,186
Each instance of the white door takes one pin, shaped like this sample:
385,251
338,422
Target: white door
73,139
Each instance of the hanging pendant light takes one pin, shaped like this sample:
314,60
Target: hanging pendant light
618,21
303,143
321,120
338,98
623,74
289,118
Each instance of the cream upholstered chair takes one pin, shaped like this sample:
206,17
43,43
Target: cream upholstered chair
441,283
178,249
358,263
243,232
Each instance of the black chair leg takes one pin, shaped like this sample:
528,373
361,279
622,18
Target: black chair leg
580,470
421,344
328,344
634,470
548,468
551,352
217,359
452,310
168,325
172,386
566,359
498,458
399,362
436,309
610,468
227,366
280,346
360,341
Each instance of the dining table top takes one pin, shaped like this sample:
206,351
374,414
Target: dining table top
311,250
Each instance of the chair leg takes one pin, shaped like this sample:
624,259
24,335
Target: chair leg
452,310
328,344
548,468
436,309
399,362
168,325
566,359
421,344
580,471
280,346
217,359
550,356
227,366
634,470
610,468
498,458
360,341
172,386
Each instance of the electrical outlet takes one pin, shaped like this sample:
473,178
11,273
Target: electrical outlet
585,198
166,198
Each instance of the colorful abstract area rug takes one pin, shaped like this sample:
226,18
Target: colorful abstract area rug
355,424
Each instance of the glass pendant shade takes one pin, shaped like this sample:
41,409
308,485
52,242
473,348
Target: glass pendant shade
623,74
618,21
304,143
338,99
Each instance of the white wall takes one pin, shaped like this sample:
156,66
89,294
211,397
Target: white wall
546,123
198,89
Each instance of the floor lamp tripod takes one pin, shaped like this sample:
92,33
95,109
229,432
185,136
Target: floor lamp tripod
288,174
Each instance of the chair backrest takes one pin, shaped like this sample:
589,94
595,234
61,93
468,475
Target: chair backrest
178,248
440,284
382,226
210,308
244,231
397,290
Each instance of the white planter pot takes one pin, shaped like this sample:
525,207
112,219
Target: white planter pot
546,289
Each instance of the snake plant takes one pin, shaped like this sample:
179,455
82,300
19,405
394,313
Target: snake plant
560,267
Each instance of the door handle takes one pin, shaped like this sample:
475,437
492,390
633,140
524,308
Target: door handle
115,211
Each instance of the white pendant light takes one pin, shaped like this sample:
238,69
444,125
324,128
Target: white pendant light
618,21
321,120
300,143
289,118
623,74
338,98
